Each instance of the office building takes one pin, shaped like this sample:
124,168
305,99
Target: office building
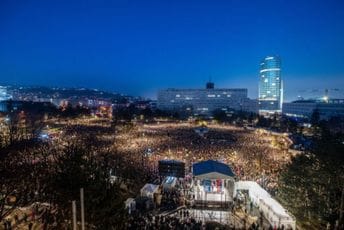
201,101
250,105
327,108
270,85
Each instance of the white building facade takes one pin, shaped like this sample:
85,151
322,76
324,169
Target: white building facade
201,101
305,108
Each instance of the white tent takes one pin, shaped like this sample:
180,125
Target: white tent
169,182
130,204
276,214
271,209
254,190
149,189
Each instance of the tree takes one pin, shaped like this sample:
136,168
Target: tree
81,165
124,113
311,186
263,122
220,115
33,124
315,118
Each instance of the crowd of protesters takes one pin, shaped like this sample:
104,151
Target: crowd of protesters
150,222
139,148
252,154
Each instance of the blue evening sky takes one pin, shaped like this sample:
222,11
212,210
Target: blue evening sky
138,47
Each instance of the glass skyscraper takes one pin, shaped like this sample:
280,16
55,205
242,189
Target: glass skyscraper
270,85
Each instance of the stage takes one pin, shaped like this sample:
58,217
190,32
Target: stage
213,184
206,198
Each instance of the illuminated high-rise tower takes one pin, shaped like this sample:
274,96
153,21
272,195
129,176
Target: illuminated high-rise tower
3,94
270,85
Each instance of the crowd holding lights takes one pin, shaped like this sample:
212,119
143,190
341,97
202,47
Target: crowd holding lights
253,154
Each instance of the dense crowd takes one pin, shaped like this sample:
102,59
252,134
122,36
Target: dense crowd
149,222
252,155
138,149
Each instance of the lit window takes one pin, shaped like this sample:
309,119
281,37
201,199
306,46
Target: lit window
269,69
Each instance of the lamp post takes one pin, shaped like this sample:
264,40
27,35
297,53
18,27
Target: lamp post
82,209
74,214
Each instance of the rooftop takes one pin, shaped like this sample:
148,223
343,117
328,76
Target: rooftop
211,166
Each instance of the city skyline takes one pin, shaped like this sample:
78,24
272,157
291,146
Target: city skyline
198,114
139,48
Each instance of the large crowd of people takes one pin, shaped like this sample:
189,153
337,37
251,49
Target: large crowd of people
252,154
150,222
255,155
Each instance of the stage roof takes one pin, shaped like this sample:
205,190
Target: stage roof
212,170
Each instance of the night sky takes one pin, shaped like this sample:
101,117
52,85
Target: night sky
138,47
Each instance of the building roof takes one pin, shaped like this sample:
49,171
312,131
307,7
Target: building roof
305,101
211,166
321,101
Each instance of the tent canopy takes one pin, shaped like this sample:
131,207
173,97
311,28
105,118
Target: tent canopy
273,211
149,189
211,169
